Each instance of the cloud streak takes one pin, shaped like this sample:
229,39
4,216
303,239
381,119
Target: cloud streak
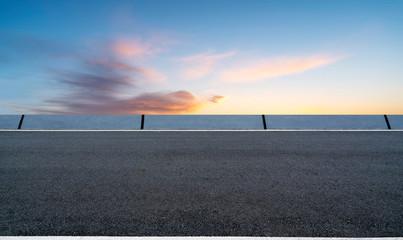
269,68
146,103
132,48
136,47
200,65
106,85
99,76
104,80
146,73
216,99
98,88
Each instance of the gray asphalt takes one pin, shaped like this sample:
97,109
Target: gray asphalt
301,184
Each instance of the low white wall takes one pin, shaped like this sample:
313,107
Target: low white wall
9,121
253,122
326,122
396,121
203,122
82,122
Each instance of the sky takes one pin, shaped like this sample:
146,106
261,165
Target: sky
201,57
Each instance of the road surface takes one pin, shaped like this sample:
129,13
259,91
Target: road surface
257,183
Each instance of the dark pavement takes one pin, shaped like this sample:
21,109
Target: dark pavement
302,184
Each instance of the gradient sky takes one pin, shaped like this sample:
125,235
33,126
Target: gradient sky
201,57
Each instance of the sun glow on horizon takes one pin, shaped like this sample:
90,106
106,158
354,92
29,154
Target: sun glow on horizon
205,57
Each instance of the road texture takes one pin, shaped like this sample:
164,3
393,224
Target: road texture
302,184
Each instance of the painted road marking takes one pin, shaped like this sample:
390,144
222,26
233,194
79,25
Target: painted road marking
200,130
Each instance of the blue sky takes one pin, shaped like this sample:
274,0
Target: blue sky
201,57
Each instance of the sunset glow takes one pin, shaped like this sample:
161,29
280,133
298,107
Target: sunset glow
201,57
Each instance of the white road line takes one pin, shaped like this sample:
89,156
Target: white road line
200,130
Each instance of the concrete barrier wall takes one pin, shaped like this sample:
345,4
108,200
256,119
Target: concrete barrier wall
396,121
203,122
326,122
9,121
82,122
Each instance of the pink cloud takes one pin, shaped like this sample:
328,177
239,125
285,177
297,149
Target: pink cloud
136,47
126,49
200,65
132,48
153,75
270,68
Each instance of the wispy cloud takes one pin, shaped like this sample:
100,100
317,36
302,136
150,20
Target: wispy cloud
216,99
200,65
109,64
269,68
98,88
104,76
132,48
105,81
146,103
153,75
136,47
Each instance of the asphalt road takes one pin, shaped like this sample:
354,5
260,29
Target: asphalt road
302,184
